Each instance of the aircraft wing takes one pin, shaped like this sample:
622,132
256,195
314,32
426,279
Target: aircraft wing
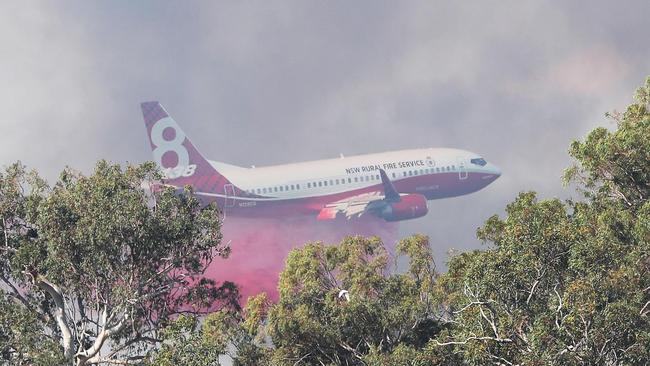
351,207
356,206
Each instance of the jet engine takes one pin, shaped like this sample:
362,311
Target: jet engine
410,206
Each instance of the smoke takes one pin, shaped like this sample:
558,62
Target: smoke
260,246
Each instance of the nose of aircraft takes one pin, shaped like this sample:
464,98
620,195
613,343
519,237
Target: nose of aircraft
494,170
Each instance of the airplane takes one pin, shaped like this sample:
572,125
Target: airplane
393,186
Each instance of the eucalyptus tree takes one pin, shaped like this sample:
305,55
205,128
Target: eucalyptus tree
564,283
339,305
91,268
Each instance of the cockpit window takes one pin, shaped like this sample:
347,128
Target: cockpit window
478,161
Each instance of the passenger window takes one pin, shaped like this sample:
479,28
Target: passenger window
405,174
331,182
275,189
280,188
325,183
356,179
320,184
297,186
349,180
377,177
308,185
394,176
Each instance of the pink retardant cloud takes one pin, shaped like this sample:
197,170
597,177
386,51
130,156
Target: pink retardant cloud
260,247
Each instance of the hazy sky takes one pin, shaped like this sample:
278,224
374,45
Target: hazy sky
274,82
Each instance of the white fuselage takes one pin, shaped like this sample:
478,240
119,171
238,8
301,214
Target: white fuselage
308,187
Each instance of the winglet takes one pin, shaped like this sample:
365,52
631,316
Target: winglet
389,189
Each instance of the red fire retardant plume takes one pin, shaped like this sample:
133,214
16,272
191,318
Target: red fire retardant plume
259,247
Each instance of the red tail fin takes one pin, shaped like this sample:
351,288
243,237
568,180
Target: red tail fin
181,162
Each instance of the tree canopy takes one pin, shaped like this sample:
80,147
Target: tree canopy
92,269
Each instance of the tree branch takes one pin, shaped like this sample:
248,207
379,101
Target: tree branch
59,314
500,340
91,355
643,312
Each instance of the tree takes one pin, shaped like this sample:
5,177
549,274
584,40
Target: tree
93,271
189,341
22,340
341,305
613,165
564,282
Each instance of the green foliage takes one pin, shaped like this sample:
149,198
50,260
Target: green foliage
387,319
98,264
188,342
614,164
340,305
185,344
21,337
564,283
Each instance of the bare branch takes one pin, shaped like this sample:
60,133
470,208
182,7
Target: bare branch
59,314
643,312
467,340
532,291
91,355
